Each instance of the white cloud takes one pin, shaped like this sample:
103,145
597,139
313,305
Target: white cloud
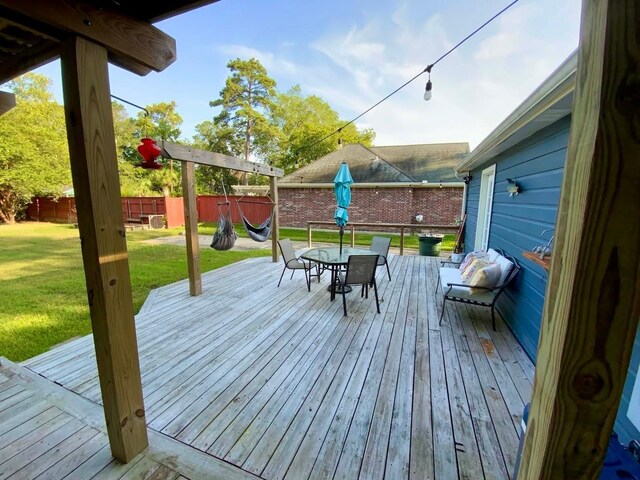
475,88
274,64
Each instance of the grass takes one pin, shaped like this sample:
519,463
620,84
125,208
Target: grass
42,287
332,236
320,236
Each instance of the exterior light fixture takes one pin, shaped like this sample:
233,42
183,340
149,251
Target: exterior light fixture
512,187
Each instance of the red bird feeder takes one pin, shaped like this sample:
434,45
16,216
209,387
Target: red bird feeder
149,151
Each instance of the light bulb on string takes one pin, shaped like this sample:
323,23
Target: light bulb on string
429,85
427,91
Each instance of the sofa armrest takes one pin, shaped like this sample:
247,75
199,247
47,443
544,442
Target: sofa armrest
450,285
449,261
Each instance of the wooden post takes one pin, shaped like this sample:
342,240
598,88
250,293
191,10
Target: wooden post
309,234
191,228
401,241
94,169
593,295
275,227
353,235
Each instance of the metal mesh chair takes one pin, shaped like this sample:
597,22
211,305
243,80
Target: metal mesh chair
292,262
361,270
380,245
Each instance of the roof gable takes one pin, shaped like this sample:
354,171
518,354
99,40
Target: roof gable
433,162
392,164
365,167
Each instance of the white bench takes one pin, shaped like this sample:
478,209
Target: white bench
455,290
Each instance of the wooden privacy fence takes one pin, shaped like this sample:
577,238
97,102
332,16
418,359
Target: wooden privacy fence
138,209
62,210
256,213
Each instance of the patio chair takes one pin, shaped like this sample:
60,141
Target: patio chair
380,245
361,270
455,291
292,262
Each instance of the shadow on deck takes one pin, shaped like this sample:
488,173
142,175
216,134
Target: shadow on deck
276,383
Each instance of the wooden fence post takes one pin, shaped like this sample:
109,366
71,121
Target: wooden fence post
191,228
275,227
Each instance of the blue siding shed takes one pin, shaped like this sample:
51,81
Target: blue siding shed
537,164
517,222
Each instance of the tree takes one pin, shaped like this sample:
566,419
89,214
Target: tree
246,100
301,121
34,156
162,123
221,139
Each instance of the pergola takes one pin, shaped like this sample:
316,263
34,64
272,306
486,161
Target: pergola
593,297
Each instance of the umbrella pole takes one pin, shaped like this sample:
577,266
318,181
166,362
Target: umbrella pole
341,235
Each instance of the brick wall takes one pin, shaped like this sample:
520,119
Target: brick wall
439,206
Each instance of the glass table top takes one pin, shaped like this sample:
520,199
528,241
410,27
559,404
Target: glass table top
331,255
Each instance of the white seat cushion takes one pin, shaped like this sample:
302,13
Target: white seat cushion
453,275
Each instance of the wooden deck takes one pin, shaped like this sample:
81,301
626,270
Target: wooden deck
276,383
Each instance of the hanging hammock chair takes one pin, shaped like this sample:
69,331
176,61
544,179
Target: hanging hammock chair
261,232
225,236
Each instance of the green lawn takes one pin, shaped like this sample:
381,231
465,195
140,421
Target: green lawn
42,288
332,235
410,241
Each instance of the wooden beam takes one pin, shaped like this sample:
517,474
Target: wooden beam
94,169
191,228
21,64
188,154
593,296
275,226
130,42
7,102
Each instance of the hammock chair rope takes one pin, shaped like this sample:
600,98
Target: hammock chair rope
261,232
225,236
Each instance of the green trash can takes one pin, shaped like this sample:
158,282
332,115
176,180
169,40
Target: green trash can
429,244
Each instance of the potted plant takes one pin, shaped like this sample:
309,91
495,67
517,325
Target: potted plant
458,255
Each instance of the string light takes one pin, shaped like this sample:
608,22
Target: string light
429,85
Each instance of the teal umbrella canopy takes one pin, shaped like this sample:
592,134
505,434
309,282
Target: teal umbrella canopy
342,188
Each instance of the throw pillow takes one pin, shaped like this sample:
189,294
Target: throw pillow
475,265
487,276
471,256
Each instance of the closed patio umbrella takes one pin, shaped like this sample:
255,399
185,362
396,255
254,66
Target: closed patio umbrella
342,189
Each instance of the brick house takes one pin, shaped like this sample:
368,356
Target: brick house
392,184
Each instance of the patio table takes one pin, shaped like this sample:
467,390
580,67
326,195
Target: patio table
332,259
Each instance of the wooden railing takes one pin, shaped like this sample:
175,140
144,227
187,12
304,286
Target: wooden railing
401,226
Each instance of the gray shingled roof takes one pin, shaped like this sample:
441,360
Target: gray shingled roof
432,162
400,163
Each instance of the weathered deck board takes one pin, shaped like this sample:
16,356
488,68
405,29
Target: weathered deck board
277,382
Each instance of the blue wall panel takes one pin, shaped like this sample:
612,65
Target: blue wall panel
537,165
624,428
517,222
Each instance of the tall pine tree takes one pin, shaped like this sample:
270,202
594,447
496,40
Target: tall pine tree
246,101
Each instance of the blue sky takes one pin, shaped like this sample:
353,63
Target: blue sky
354,52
